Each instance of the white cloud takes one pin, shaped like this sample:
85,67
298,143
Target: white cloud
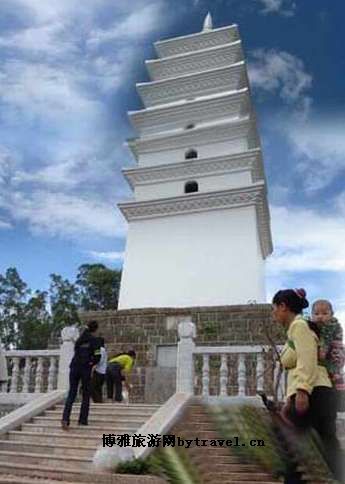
109,256
306,241
48,39
280,72
52,88
135,26
51,94
5,225
319,146
71,200
45,11
7,163
69,216
283,7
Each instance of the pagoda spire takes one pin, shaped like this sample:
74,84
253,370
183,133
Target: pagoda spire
207,22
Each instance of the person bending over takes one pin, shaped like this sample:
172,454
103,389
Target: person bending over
118,371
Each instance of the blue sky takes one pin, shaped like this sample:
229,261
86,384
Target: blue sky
67,78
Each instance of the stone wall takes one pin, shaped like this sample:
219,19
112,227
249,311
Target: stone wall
145,329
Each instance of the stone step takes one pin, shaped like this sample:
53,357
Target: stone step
59,474
110,411
11,479
229,476
98,422
195,415
113,405
191,427
112,479
205,460
227,481
44,460
78,429
45,448
48,472
201,434
230,468
98,415
63,438
213,452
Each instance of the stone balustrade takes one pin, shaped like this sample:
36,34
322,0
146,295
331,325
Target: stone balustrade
250,367
33,372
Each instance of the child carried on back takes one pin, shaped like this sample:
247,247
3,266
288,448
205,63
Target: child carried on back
331,348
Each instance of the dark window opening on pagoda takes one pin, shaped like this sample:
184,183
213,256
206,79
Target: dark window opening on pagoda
191,187
190,126
190,154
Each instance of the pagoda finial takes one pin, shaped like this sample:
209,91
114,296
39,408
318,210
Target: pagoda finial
208,22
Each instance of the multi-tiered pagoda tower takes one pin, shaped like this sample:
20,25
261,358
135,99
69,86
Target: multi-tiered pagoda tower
199,228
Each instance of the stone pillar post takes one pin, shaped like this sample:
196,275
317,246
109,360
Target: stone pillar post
185,350
69,336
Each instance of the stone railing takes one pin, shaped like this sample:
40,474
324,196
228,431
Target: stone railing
33,372
226,371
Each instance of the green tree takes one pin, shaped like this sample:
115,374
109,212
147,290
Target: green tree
98,286
25,322
35,326
64,301
13,295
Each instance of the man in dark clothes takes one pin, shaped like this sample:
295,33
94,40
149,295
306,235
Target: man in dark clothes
87,354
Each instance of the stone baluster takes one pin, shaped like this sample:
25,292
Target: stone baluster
26,375
39,375
241,375
69,336
52,373
282,386
223,375
279,386
205,375
15,375
185,361
260,372
276,375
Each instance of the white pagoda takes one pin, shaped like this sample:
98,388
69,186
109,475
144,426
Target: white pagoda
199,227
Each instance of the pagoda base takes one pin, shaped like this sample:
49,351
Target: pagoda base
152,333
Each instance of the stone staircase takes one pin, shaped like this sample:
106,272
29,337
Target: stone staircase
40,451
215,464
219,464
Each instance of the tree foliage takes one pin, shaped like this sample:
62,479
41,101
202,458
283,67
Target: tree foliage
99,287
24,319
28,320
64,302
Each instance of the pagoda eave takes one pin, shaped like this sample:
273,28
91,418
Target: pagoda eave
196,41
249,160
214,81
193,62
210,133
232,103
253,195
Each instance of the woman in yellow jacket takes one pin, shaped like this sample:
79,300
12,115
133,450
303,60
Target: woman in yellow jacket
118,370
310,399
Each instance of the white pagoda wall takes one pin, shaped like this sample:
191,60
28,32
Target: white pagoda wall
208,259
204,151
207,183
